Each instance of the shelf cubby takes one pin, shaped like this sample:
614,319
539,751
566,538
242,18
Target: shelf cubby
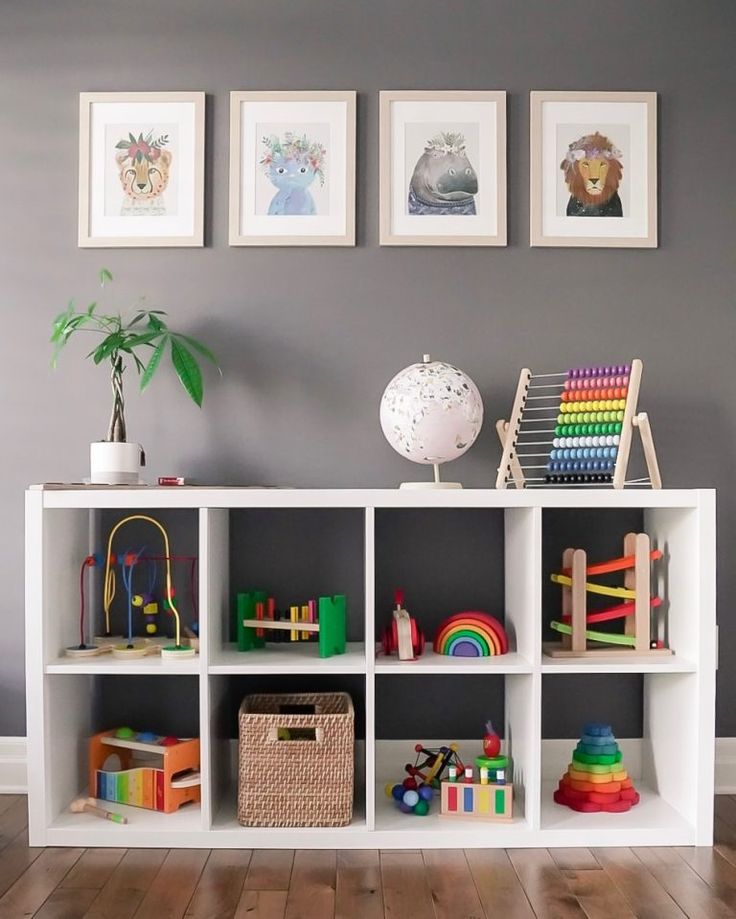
449,551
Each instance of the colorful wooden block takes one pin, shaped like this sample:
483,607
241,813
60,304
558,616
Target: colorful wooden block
488,802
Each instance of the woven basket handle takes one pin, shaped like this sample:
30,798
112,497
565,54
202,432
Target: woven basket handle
273,733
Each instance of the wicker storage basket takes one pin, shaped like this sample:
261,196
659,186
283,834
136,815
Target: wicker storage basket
295,759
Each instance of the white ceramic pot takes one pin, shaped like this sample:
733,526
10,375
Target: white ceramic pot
115,463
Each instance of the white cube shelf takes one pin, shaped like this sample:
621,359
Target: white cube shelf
672,763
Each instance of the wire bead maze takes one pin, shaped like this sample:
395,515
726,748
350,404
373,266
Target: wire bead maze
129,561
576,427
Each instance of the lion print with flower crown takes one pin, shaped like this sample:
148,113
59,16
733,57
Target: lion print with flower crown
144,165
592,170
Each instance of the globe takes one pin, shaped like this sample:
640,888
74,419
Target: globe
431,413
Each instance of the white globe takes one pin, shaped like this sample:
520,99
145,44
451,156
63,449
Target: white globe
431,412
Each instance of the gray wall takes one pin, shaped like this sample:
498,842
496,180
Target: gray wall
309,338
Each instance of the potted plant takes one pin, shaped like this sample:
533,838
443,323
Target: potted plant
144,339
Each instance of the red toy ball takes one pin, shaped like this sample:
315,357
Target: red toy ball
491,741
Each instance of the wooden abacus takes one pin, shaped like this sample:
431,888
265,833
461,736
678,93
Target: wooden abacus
575,427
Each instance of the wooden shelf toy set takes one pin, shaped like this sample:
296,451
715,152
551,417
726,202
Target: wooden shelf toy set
258,621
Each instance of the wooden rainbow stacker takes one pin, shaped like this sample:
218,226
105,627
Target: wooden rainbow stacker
575,427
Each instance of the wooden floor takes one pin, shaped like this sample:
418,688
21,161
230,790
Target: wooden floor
446,884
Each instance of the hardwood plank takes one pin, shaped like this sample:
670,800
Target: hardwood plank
14,860
644,894
718,873
597,894
67,903
122,894
220,885
498,886
686,888
270,869
13,821
36,883
725,808
544,884
172,888
451,884
574,859
263,904
405,890
7,801
312,887
358,894
94,868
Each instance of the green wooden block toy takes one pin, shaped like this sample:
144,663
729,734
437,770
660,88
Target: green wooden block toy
332,625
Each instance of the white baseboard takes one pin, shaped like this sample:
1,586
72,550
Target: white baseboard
13,762
13,780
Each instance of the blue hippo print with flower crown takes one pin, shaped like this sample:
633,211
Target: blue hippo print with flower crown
292,164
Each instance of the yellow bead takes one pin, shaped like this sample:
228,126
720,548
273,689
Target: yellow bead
151,628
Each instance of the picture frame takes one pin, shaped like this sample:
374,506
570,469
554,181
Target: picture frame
141,169
612,137
292,168
443,168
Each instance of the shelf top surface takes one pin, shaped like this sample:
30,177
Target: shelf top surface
196,496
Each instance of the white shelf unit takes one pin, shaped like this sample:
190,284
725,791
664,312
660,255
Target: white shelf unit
672,763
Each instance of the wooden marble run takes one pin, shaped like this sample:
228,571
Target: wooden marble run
638,637
166,780
575,427
258,621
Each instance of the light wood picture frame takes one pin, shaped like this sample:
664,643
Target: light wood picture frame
443,168
593,169
292,168
141,169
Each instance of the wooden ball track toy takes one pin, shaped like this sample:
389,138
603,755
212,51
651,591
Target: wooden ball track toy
576,428
402,636
638,637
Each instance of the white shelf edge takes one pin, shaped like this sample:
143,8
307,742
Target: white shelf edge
278,659
429,662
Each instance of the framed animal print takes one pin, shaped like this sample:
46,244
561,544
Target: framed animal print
141,169
593,164
292,168
443,168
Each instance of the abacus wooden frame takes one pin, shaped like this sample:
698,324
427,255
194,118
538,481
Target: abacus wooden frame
511,469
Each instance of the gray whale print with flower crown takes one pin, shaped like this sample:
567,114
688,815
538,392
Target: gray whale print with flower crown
444,181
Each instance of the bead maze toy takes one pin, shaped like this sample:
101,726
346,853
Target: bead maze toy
471,634
575,428
258,620
128,562
596,779
638,636
402,636
168,779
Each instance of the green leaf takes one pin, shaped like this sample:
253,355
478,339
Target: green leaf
106,348
155,323
139,365
135,340
153,362
104,276
187,369
199,347
91,308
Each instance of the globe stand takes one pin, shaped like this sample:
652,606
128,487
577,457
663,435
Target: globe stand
436,484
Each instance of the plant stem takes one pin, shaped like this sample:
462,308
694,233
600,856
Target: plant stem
116,429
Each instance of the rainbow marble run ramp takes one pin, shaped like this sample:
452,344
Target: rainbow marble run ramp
629,627
596,779
575,427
